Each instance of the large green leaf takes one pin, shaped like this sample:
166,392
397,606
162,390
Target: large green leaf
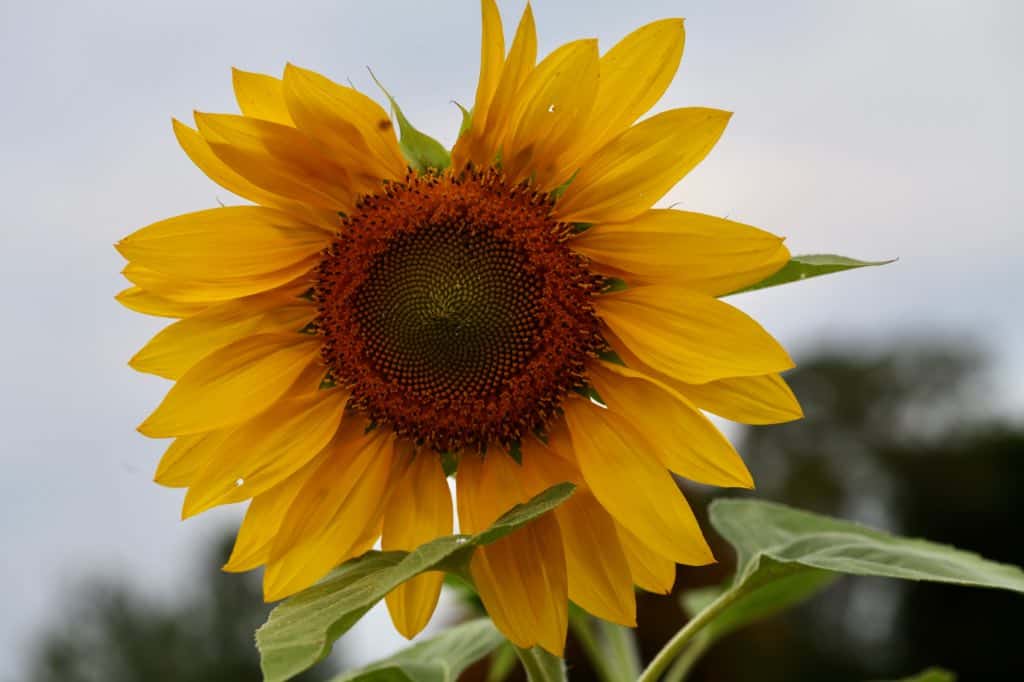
421,150
785,555
301,630
438,659
766,534
805,267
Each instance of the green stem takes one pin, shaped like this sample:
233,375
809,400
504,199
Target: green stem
684,664
580,626
541,666
675,646
624,654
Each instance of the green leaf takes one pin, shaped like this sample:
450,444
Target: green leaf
930,675
766,533
421,151
805,267
301,630
438,659
785,555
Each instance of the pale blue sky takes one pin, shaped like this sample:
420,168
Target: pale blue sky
874,129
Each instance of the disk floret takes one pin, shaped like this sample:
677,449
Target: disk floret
454,310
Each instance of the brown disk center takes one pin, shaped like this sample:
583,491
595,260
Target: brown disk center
455,311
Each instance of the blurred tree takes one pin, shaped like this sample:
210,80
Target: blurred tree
113,634
899,440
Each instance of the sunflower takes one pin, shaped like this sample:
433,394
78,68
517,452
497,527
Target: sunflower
522,316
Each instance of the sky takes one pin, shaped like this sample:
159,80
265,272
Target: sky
871,129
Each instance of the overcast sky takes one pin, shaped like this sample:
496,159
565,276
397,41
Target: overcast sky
873,129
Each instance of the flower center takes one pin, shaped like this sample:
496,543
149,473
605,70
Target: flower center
455,311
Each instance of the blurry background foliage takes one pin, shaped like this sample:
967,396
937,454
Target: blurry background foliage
896,439
112,632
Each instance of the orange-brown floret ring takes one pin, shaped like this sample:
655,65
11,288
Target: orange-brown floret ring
455,311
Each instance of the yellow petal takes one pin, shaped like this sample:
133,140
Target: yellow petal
260,96
552,104
420,510
559,442
263,518
684,440
650,570
521,578
347,123
311,380
328,520
480,144
146,302
634,170
181,345
543,466
368,539
599,575
690,336
231,242
202,156
488,486
187,456
701,252
279,159
206,291
232,385
634,75
749,400
762,399
492,56
633,485
268,448
523,585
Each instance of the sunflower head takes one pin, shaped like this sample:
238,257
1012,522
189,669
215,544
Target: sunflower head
455,310
518,307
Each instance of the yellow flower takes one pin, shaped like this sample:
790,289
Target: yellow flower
525,311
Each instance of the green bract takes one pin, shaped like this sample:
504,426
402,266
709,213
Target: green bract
807,266
421,150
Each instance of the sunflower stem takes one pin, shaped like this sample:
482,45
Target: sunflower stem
541,666
681,639
621,642
684,664
580,623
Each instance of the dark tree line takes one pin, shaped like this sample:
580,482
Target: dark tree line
113,633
